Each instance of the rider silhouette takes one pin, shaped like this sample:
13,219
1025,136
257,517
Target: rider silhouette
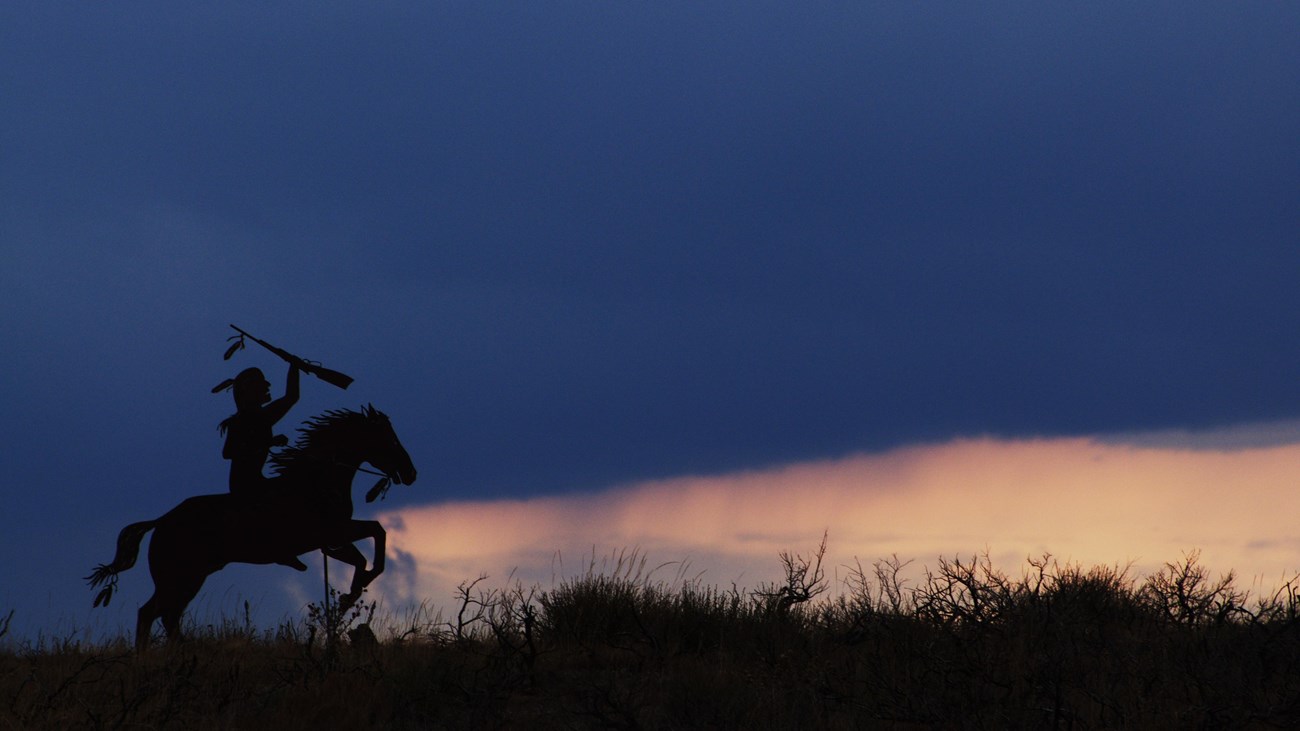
249,436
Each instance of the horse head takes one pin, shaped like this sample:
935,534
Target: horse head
384,450
343,439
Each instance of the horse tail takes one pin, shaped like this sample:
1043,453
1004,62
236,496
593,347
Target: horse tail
128,547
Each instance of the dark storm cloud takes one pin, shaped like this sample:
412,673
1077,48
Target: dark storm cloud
568,246
660,239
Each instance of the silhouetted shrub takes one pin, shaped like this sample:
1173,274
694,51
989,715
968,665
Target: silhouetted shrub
969,646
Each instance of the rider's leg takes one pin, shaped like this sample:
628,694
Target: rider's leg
292,562
253,489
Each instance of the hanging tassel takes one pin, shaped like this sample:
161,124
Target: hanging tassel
235,347
380,490
105,594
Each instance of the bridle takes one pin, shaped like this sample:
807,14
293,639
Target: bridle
380,490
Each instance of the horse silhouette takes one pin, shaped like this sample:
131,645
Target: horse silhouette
307,506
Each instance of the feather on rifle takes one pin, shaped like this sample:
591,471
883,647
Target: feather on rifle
332,377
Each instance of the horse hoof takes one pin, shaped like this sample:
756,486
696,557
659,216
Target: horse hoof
346,601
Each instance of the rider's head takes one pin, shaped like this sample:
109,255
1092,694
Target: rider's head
251,389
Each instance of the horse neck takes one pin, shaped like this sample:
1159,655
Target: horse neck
331,471
327,468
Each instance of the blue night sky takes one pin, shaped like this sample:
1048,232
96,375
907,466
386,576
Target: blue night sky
569,246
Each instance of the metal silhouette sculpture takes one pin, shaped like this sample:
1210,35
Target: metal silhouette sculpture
305,506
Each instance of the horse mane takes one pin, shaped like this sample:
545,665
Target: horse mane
319,434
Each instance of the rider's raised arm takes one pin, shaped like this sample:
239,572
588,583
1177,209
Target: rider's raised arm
279,407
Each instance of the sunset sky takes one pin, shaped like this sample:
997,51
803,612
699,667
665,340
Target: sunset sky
699,280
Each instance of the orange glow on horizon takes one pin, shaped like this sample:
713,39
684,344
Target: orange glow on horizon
1082,500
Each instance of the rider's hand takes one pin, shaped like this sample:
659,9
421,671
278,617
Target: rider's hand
279,440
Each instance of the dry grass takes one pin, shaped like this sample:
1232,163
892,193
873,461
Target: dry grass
968,647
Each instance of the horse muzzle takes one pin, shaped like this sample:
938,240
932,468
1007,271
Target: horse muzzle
404,476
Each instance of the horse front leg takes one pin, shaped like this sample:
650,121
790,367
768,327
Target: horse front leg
348,553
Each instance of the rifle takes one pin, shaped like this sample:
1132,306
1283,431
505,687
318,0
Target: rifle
332,377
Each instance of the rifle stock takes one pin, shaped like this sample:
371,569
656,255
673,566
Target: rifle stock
332,377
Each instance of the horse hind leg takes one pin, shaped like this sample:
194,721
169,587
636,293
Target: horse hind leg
172,607
164,607
170,597
144,622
